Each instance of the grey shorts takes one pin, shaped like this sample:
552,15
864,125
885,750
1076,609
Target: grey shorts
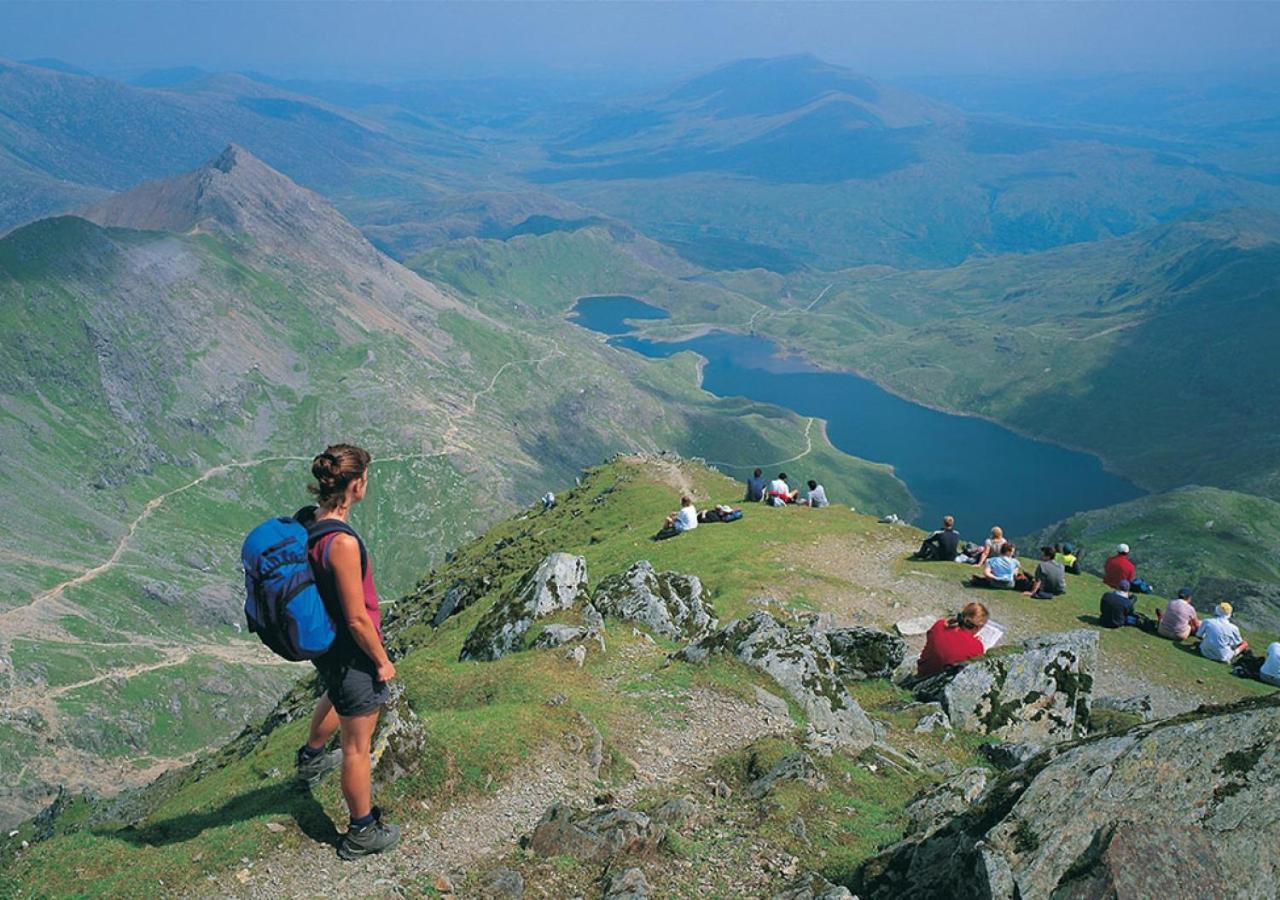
352,688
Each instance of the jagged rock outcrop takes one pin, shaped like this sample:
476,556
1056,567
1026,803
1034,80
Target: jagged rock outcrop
863,652
799,659
1185,807
556,583
1040,693
596,835
667,603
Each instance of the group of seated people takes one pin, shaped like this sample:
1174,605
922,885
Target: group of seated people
779,491
1219,638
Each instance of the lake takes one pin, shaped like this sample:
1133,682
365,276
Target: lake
980,472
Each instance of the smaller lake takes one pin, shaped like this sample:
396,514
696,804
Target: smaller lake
980,472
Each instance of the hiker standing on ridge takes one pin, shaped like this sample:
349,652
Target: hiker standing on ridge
355,670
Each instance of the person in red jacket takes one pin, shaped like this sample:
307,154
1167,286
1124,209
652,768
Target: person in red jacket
1118,568
951,641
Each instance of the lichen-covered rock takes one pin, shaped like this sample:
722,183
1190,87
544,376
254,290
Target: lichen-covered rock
799,659
676,812
1040,693
793,767
1184,807
556,583
596,835
1011,754
863,652
667,603
812,886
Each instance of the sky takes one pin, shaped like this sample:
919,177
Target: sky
381,40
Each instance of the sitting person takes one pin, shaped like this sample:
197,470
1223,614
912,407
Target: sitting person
755,487
1178,621
1119,568
1220,639
779,493
943,544
951,641
1118,607
1000,571
682,520
817,496
1066,554
991,546
1050,579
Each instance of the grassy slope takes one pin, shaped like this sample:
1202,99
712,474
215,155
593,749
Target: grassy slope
484,719
1222,544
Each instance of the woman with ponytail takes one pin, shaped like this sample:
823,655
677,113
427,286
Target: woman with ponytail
355,671
952,641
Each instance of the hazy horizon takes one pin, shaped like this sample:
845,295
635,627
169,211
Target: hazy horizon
640,41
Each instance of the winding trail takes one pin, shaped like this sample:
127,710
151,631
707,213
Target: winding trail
808,448
751,323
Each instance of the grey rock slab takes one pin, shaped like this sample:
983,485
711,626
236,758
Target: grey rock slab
629,884
916,625
800,661
1103,816
556,635
667,603
501,884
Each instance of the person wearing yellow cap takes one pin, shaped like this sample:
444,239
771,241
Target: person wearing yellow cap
1220,639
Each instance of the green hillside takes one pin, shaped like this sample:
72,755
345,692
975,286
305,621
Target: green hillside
163,387
495,731
1222,544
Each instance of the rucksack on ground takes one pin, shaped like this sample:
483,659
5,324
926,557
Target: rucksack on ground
282,602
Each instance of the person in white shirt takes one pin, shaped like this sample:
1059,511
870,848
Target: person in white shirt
685,518
1220,639
817,496
1270,671
779,492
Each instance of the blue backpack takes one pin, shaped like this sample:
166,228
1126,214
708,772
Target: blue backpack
282,601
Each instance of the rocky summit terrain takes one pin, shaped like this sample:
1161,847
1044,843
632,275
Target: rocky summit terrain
581,711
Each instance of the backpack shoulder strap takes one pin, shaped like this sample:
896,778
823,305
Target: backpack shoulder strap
324,527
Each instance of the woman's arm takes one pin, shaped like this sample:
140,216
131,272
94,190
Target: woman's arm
344,557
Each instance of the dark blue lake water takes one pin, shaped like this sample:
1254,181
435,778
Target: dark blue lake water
980,472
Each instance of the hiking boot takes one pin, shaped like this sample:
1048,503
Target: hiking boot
310,771
376,837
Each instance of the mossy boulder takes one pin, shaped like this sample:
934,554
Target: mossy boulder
667,603
557,583
862,652
1040,693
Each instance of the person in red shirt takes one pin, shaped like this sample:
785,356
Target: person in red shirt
951,641
1118,568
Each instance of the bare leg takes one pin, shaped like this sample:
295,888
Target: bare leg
324,722
357,741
